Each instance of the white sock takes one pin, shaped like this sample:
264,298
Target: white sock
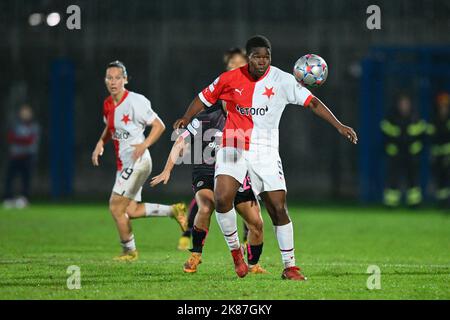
228,225
157,210
129,245
285,237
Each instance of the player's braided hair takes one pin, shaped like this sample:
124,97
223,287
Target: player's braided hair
118,64
257,41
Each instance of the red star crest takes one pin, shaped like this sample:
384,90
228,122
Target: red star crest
269,92
125,119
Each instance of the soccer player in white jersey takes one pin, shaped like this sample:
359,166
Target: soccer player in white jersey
126,115
256,95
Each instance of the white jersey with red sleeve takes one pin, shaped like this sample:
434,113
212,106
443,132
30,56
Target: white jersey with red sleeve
127,121
254,106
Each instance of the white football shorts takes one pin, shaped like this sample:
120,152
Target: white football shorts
129,181
264,168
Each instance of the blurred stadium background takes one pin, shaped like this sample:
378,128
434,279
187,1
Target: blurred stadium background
172,49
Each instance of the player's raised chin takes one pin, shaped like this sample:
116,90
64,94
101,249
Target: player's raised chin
258,61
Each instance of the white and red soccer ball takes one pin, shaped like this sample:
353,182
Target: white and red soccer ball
311,70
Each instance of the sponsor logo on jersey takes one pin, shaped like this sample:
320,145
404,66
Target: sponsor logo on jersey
121,134
251,111
213,85
200,183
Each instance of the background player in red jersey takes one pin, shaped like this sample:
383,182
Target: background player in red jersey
126,115
256,96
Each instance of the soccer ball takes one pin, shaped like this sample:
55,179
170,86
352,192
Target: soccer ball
311,70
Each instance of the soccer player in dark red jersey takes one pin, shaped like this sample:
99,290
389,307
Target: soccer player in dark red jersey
256,95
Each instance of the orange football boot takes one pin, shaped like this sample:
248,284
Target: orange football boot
293,273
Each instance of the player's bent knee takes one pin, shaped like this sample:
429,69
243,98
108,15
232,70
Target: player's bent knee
280,210
256,230
133,209
257,225
115,212
205,211
117,208
279,215
131,212
223,203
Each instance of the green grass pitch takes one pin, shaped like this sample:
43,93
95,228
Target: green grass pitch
334,246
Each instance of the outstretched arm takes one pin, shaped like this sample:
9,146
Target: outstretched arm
98,151
322,111
195,107
176,151
158,128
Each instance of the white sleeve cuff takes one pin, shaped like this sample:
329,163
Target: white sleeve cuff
152,118
203,99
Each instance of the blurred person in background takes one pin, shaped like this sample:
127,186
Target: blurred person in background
233,58
23,140
404,134
439,131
